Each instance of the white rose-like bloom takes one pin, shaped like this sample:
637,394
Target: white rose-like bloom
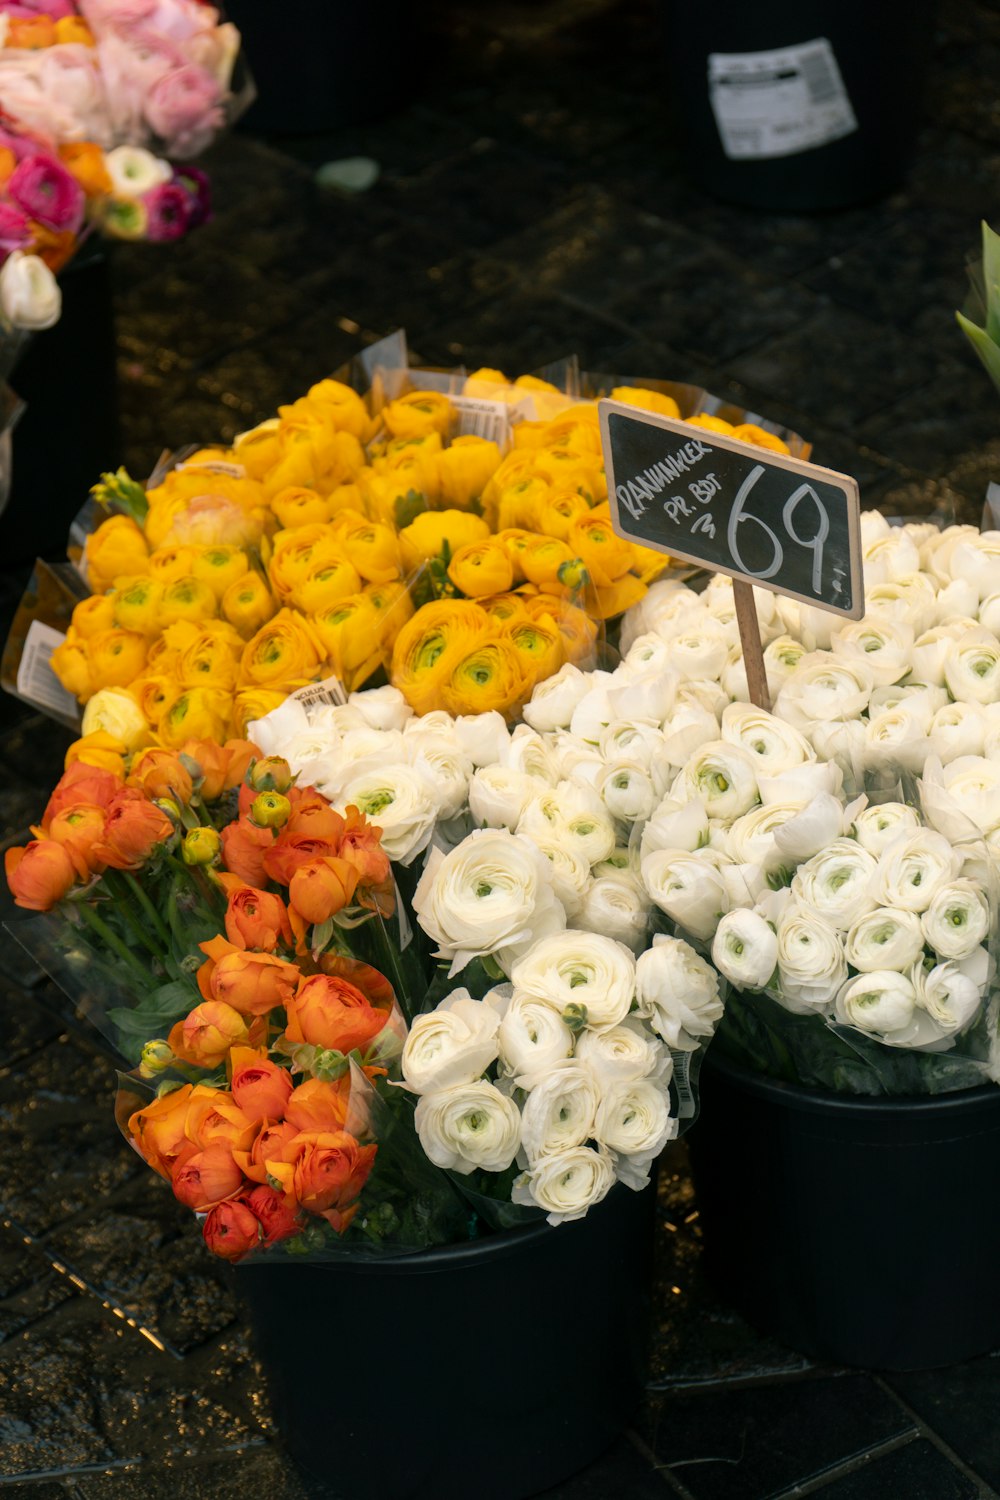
530,753
976,560
722,777
823,689
689,727
627,792
745,949
989,613
570,873
638,742
936,551
382,708
29,293
559,1111
663,603
634,1121
701,692
838,883
972,670
568,1184
952,993
629,1050
910,599
700,651
812,828
678,992
493,894
811,963
373,746
774,745
617,906
282,724
781,657
843,742
533,1039
962,800
931,648
498,795
576,759
957,919
676,825
135,171
579,973
889,556
484,738
688,888
541,817
469,1127
913,868
882,646
585,822
553,701
448,769
801,784
751,839
647,653
881,1002
400,799
651,696
886,938
957,730
594,711
453,1044
875,828
896,737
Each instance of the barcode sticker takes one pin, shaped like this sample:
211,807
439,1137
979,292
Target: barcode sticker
36,681
485,419
329,691
682,1084
769,104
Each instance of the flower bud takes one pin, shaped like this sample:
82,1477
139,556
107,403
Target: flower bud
270,810
575,1016
156,1058
270,774
201,846
168,806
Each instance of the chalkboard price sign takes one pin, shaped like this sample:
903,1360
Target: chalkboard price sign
759,516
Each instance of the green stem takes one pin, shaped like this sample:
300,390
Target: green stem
152,915
117,885
112,941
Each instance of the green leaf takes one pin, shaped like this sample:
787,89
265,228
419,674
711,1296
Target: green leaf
991,279
409,507
988,351
122,492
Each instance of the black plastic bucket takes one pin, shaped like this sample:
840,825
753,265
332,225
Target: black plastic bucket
861,1231
495,1368
797,105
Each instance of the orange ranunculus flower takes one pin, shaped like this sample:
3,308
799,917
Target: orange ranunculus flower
494,675
40,874
286,653
290,851
319,1104
321,888
79,829
361,846
157,1131
481,568
248,604
74,29
231,1229
214,1118
244,847
53,246
252,983
195,713
161,773
254,918
328,1170
82,782
98,749
154,692
239,754
207,1178
117,549
93,614
278,1221
330,1012
259,1086
211,763
541,644
133,828
431,645
312,815
270,773
115,657
205,1036
30,32
268,1144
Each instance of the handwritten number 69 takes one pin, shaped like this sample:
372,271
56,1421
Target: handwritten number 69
814,543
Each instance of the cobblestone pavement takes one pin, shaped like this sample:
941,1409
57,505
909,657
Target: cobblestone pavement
530,202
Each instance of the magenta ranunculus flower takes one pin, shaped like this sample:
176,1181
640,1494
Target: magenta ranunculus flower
15,231
196,184
169,210
47,192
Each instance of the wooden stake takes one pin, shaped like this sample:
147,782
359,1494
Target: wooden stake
753,655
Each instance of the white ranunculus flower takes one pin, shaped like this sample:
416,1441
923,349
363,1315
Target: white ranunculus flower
957,919
280,726
663,603
448,769
559,1111
811,963
688,888
703,692
382,708
745,949
932,647
811,829
628,1050
958,597
876,827
634,1121
700,651
956,730
594,712
889,556
377,746
647,653
678,992
913,868
676,825
576,759
567,1184
972,670
722,777
571,874
976,560
910,599
921,699
531,753
881,1002
689,727
533,1039
950,992
135,171
838,883
632,740
822,689
499,795
627,791
774,745
751,839
580,974
895,737
843,742
400,799
882,646
484,738
584,821
651,697
886,938
781,657
962,800
801,784
469,1127
989,613
541,817
453,1044
29,293
617,906
493,894
553,701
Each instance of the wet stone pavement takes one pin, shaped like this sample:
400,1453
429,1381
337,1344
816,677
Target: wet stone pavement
529,203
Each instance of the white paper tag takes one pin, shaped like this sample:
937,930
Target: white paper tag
682,1083
769,104
484,419
315,694
214,466
36,681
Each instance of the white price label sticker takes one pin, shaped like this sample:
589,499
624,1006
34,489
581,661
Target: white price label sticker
682,1085
321,694
484,419
770,104
213,466
36,681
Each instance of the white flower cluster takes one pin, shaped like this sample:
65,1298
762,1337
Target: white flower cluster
578,1046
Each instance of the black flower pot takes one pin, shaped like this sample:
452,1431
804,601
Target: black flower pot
864,1231
495,1368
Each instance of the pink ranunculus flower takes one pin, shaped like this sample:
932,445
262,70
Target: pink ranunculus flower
15,230
169,212
23,10
184,109
47,192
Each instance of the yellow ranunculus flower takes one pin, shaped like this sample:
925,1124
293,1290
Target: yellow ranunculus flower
372,548
350,633
253,703
394,607
749,432
345,408
296,466
418,412
258,449
521,502
297,552
324,584
163,653
516,542
115,712
504,607
606,556
339,460
494,675
219,567
578,428
543,558
248,604
573,469
414,461
153,691
556,514
187,599
116,657
648,563
425,537
615,598
285,653
195,714
540,642
484,383
98,749
298,505
431,645
646,400
117,549
212,659
351,497
712,424
519,464
579,633
137,605
481,568
96,612
170,562
71,664
464,470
